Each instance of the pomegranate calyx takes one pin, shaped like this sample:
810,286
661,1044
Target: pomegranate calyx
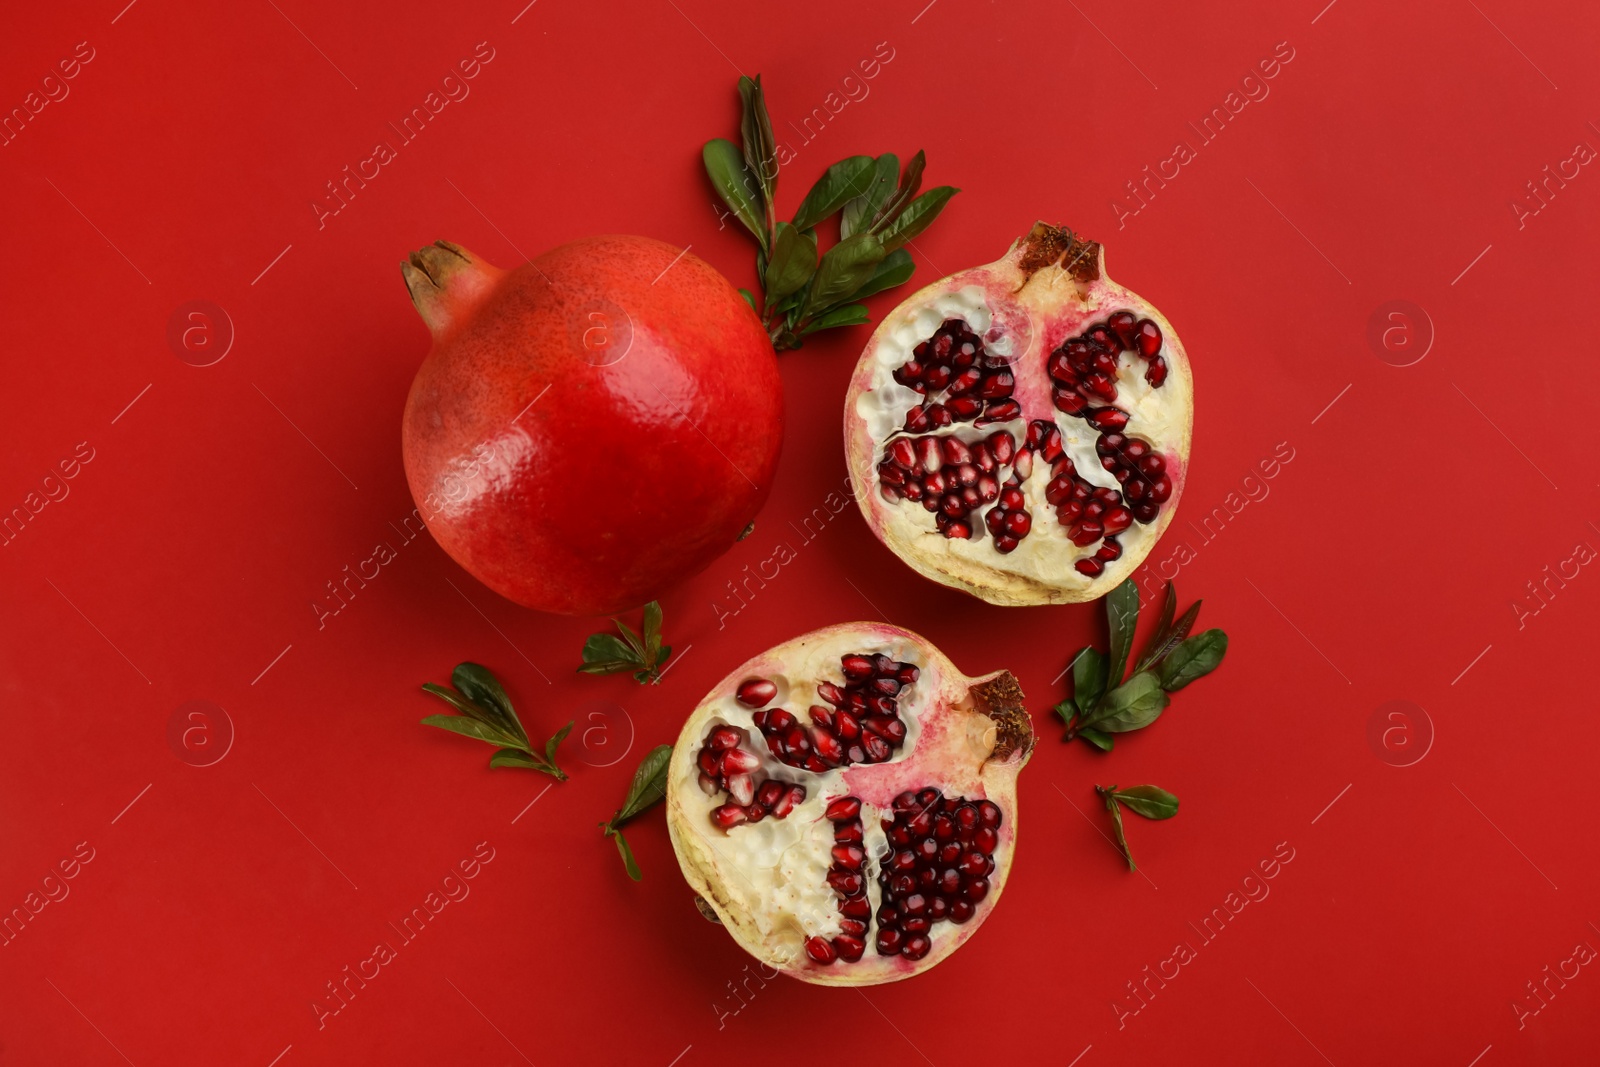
1048,245
446,283
1000,698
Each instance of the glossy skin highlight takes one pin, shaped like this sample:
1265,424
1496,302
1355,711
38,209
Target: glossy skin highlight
592,426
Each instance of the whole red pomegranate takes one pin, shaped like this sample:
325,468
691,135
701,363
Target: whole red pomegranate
592,426
846,804
1021,430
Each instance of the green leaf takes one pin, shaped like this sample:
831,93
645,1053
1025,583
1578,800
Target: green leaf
460,703
896,269
634,641
649,785
844,268
845,315
860,212
1176,633
1088,679
910,182
1135,704
474,728
1151,801
515,757
842,182
628,861
481,687
794,260
1194,658
1099,740
734,183
551,745
652,632
1066,709
607,654
1116,823
1122,614
917,216
749,298
755,130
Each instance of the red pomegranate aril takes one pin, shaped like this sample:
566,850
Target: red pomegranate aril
975,889
756,693
917,420
916,947
966,381
729,816
843,808
742,788
1146,512
1117,519
769,793
1108,418
1148,337
963,407
738,761
1101,386
820,950
1160,489
856,907
936,378
1123,324
1156,372
903,453
849,948
845,883
999,384
938,415
889,942
1065,400
961,911
1110,549
953,450
849,856
989,813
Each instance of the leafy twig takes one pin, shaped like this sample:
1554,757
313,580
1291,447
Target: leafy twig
879,208
1151,801
609,654
649,786
487,715
1103,703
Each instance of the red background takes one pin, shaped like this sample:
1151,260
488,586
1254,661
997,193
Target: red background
1383,565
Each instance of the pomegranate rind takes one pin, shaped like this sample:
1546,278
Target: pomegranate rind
968,736
591,427
1046,288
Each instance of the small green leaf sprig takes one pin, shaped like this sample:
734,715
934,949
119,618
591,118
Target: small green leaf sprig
487,715
649,786
879,208
1151,801
643,656
1103,703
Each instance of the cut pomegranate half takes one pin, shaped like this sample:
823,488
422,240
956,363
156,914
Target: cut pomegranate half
1021,430
838,861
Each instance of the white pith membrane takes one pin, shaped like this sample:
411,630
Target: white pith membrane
767,881
1050,287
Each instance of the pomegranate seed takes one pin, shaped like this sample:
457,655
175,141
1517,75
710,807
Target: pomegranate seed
1089,531
966,381
986,839
938,909
917,420
742,788
769,793
954,450
1065,400
920,924
729,816
1109,550
1104,338
1005,543
961,911
1101,385
877,749
847,725
1156,373
738,761
889,941
1059,368
997,385
936,378
1160,489
1089,567
903,453
708,785
916,947
756,693
1018,523
1022,466
1148,336
1108,418
1003,445
908,372
843,808
1122,323
846,883
858,907
963,408
1118,519
827,746
819,950
949,854
938,415
724,737
1002,410
989,813
849,856
822,716
975,889
988,489
827,691
1105,363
